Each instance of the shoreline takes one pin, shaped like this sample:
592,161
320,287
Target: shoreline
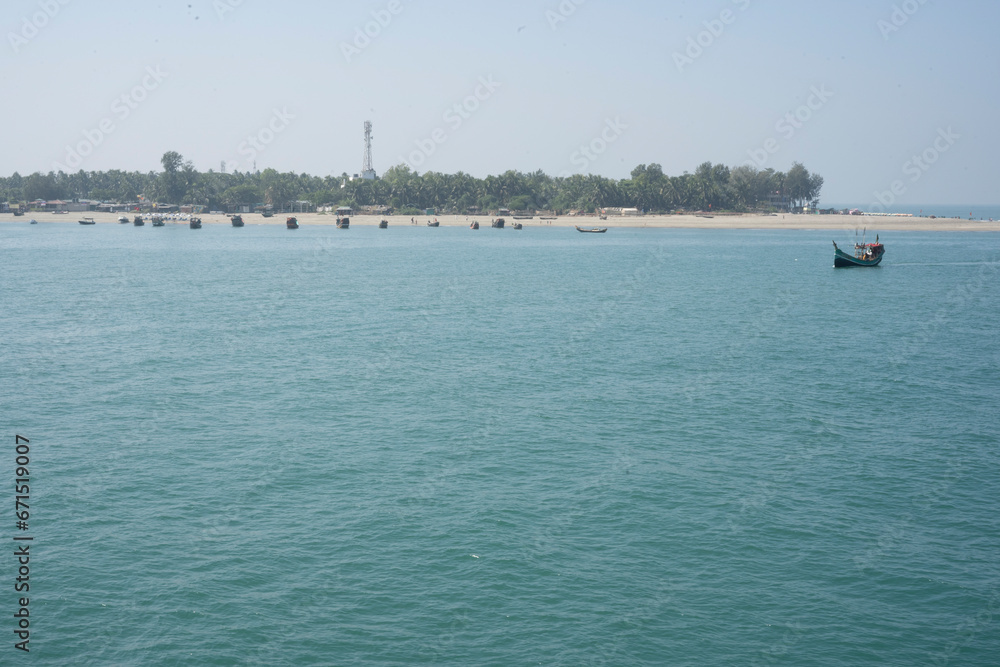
691,221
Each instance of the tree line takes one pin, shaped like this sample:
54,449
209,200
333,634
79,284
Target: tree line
711,187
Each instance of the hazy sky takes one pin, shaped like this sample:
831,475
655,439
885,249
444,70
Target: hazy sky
486,87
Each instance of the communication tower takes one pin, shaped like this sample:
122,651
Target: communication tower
367,169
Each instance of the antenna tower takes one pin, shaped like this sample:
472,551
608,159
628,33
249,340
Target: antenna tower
367,169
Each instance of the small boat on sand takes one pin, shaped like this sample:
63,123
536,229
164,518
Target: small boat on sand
237,220
292,223
865,254
433,224
592,230
384,224
195,223
122,220
87,221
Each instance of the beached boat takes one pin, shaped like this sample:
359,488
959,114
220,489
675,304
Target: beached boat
237,220
137,221
343,223
158,221
267,214
123,220
292,223
524,217
87,221
384,224
474,225
32,222
433,224
60,212
18,213
517,225
195,223
592,230
498,223
865,254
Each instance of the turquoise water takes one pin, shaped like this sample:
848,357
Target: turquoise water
447,447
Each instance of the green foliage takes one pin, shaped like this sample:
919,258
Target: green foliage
714,186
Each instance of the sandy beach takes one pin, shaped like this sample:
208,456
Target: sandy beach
803,222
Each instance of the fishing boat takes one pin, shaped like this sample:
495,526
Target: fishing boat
292,223
474,225
384,224
498,223
267,213
137,221
343,223
524,217
18,213
433,224
157,221
237,220
60,212
592,230
865,254
195,223
32,222
122,220
87,221
517,225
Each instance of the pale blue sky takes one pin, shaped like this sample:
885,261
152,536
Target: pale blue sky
224,73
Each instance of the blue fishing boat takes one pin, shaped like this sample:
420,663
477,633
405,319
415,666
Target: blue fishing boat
865,254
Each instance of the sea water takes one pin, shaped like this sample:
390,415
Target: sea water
499,447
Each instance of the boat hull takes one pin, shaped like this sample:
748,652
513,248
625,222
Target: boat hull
842,260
